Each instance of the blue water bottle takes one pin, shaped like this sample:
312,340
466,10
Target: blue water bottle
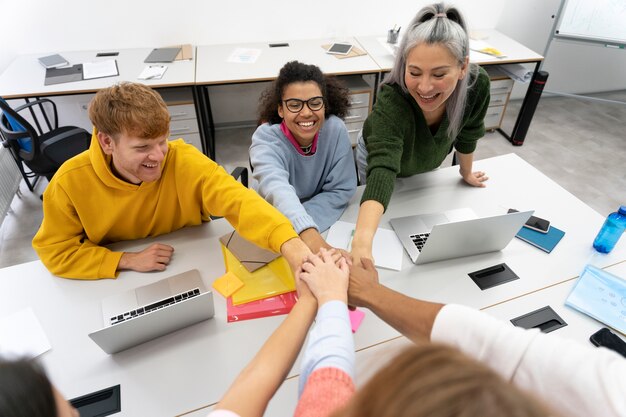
611,231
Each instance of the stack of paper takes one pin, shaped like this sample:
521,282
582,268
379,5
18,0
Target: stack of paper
386,248
100,69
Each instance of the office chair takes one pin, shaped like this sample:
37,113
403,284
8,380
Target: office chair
41,151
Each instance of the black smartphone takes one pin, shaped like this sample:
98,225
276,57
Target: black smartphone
535,223
604,337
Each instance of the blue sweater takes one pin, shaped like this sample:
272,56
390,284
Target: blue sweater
311,190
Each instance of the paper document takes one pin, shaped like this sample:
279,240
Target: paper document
601,295
517,72
153,72
244,55
485,48
21,335
386,248
99,69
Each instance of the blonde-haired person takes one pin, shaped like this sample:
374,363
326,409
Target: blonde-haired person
574,380
433,101
133,183
435,380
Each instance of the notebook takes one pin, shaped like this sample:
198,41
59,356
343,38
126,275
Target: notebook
544,241
53,61
162,55
147,312
64,75
455,233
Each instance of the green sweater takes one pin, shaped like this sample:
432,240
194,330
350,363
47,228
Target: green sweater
400,144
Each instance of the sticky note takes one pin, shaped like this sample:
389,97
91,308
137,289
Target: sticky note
356,317
227,284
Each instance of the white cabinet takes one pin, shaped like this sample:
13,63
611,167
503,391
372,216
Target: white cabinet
184,123
500,91
360,104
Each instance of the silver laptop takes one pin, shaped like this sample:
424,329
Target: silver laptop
455,233
153,310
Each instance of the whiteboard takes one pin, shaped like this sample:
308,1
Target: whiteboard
593,20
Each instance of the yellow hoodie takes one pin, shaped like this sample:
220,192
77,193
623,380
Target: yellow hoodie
86,205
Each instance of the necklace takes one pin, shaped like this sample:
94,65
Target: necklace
306,149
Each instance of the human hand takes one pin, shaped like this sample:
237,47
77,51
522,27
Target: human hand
155,257
475,179
363,281
361,252
327,281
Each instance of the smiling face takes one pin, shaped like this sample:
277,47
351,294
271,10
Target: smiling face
134,159
304,124
431,75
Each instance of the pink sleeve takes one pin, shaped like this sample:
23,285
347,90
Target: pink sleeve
326,390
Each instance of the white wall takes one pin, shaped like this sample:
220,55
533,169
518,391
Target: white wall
40,26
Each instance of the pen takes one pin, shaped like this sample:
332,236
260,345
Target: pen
349,245
398,29
608,45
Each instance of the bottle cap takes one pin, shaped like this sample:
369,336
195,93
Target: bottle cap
622,210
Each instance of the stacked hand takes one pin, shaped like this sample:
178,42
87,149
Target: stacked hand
326,276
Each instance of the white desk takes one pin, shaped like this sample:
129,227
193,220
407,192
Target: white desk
25,75
192,368
516,53
579,326
214,66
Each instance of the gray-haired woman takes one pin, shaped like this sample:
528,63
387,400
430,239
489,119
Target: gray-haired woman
432,101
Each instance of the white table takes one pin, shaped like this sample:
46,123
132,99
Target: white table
191,369
24,77
214,66
516,53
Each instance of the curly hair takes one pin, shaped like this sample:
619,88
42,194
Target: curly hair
334,92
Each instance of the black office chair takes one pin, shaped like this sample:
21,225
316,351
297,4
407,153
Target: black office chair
43,150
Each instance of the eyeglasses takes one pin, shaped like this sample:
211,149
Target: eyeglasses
294,105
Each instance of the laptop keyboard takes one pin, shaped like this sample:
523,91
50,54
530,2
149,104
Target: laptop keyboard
419,240
155,306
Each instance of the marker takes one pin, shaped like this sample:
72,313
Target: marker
615,46
349,245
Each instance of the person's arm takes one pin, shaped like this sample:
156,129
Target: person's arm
367,222
476,178
339,184
574,379
411,317
253,217
326,380
272,176
295,251
252,390
314,240
62,245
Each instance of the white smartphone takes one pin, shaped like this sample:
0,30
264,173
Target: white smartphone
535,223
339,49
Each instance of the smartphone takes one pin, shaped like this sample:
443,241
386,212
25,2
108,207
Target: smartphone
339,49
535,223
604,337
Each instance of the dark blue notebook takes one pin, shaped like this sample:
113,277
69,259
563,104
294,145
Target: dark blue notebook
544,241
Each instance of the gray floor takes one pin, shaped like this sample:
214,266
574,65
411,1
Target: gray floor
580,144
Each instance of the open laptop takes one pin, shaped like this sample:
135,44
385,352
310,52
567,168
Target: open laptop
455,233
153,310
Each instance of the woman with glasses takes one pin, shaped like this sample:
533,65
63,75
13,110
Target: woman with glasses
432,101
301,155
